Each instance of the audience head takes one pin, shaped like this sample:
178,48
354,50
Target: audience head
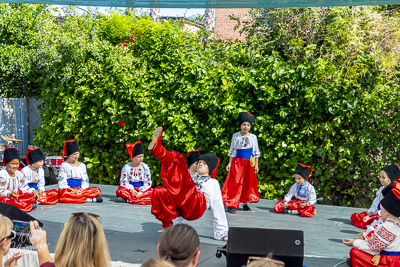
265,262
180,245
156,263
82,243
6,234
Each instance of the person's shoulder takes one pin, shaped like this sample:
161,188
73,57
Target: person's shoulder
253,135
236,134
25,169
145,165
128,165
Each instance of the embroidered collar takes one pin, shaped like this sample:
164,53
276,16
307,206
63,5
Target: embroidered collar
392,221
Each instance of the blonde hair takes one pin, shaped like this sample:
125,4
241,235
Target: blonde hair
265,262
82,243
156,263
5,226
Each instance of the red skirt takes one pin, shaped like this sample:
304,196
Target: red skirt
145,199
50,197
307,211
67,195
357,219
359,258
179,197
241,184
24,201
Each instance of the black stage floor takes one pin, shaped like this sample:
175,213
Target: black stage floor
131,230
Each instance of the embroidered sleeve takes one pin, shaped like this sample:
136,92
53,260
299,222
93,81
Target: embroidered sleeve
85,177
381,239
232,149
124,177
22,185
375,203
146,178
256,149
311,195
4,192
41,181
63,176
292,192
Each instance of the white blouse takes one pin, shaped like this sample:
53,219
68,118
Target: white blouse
10,184
377,200
141,174
70,172
27,172
242,142
306,193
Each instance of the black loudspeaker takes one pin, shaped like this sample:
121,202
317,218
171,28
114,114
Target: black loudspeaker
14,213
283,245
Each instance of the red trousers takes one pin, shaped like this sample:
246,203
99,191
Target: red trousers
50,197
24,201
145,199
307,211
357,219
67,195
241,184
359,258
179,197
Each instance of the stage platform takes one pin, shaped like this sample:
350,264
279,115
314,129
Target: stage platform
131,230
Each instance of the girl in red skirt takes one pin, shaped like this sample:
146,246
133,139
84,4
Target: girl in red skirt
34,177
303,191
13,188
73,181
135,181
241,183
387,175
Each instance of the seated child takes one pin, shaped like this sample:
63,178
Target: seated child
73,181
387,175
34,177
13,188
303,191
184,195
135,181
383,249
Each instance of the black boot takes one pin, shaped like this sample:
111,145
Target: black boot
231,210
246,207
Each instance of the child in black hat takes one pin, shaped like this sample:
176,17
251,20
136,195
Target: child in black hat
13,188
135,181
387,175
184,195
384,247
303,191
73,180
241,183
34,177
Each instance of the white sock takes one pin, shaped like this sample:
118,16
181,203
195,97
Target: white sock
90,200
295,212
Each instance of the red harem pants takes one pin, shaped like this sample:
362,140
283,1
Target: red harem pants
359,258
50,197
357,219
145,199
307,211
24,201
241,184
179,197
67,195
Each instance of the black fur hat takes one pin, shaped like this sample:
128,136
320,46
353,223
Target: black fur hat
391,201
246,116
34,155
135,149
303,170
392,171
10,153
70,147
211,160
192,157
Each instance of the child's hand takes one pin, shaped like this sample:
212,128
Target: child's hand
13,195
284,205
256,169
228,167
369,238
303,205
348,241
366,218
139,194
134,192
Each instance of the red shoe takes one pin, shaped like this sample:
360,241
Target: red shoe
157,136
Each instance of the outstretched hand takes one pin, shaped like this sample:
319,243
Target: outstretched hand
348,241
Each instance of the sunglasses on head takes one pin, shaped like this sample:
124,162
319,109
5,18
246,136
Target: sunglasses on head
11,236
